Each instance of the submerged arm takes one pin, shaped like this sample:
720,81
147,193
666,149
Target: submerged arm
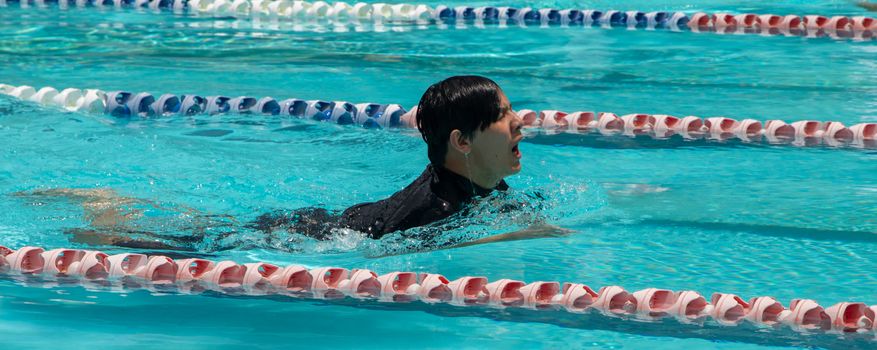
118,220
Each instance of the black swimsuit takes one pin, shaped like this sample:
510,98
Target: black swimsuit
435,195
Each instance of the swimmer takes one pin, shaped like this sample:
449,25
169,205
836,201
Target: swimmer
472,136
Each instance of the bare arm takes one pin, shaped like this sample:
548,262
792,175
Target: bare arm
532,232
867,5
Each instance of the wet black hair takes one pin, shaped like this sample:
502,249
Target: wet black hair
466,103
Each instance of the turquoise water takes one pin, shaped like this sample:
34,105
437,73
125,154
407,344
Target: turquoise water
753,220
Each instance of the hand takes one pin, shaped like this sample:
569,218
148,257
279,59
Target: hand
541,230
867,5
545,230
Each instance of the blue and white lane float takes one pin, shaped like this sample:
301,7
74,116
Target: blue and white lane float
858,27
127,105
123,104
192,276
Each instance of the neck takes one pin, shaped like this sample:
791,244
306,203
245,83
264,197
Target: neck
459,167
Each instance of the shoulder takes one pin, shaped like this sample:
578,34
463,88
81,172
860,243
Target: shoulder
415,205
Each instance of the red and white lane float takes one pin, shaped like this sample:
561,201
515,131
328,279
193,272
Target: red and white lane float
858,27
195,275
662,126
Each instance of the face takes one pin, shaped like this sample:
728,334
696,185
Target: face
494,151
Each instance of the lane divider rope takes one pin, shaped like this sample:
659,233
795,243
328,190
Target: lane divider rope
857,27
197,275
127,105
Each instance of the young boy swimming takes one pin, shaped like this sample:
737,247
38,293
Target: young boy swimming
472,136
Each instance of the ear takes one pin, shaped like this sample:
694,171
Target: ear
459,142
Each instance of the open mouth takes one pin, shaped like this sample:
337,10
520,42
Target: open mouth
516,151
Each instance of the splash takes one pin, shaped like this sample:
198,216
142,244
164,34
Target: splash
115,220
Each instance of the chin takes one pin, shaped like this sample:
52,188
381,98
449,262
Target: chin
515,169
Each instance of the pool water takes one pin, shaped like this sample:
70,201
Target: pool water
789,222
